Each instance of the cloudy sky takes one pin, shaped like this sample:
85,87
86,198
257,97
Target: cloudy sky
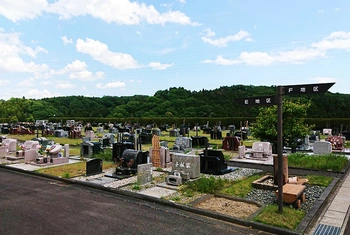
122,48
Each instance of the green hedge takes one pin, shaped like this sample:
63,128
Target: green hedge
319,123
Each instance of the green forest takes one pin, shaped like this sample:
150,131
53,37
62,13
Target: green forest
173,103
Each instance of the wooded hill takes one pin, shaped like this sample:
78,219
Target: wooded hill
169,103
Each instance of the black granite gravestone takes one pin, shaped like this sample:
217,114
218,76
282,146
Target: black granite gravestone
130,159
213,162
93,166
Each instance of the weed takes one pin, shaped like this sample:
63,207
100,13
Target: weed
136,187
105,155
241,187
66,175
206,185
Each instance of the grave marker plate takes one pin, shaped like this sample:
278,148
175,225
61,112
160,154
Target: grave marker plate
187,163
144,173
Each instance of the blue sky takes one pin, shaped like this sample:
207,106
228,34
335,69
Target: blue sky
123,48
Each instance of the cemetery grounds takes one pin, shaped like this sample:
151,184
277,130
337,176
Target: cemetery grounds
233,192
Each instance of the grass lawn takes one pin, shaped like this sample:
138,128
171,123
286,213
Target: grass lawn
71,170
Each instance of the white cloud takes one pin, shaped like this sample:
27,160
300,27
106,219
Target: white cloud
65,86
159,66
323,79
99,51
166,51
337,9
336,40
4,82
222,42
263,58
320,11
119,12
40,49
220,60
78,70
209,33
26,83
11,49
38,94
20,10
67,40
182,1
111,85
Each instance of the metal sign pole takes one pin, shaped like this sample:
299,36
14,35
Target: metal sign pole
280,148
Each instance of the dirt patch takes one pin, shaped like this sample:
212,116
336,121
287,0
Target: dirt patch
229,207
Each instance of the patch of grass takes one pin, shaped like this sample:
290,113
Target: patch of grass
136,187
227,157
175,198
319,180
66,175
241,187
105,155
289,219
334,162
205,185
74,170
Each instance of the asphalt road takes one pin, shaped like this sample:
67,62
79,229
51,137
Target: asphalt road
35,205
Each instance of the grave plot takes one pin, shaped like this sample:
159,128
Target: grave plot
235,207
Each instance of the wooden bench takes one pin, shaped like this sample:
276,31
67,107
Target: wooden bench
293,193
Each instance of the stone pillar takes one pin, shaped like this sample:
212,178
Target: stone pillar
66,150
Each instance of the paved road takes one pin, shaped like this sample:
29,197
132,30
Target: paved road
35,205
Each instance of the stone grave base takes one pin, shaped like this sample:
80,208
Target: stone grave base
158,192
266,182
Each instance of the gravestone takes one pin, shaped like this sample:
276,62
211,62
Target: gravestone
186,164
241,151
66,150
231,143
213,162
87,149
130,159
90,134
337,142
322,147
156,152
174,133
327,131
94,166
144,173
10,144
199,141
183,143
261,150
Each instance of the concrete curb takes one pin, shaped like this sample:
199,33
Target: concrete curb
243,222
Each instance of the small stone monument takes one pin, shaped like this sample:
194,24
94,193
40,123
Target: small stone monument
144,173
322,147
155,151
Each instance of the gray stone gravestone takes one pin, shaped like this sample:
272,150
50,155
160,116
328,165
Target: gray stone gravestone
187,164
322,147
144,173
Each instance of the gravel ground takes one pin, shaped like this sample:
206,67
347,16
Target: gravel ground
268,197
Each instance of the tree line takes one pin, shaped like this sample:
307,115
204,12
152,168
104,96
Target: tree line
175,102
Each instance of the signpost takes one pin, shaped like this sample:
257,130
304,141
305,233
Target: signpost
305,89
